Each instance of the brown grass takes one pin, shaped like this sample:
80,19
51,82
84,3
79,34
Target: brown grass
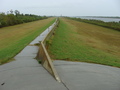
9,35
14,38
98,37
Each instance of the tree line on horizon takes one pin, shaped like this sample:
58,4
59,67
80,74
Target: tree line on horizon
15,17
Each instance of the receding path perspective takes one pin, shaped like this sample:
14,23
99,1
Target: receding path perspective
25,73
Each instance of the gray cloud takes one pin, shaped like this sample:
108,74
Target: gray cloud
64,7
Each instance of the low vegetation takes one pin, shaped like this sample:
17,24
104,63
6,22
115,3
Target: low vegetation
14,38
79,41
15,17
111,25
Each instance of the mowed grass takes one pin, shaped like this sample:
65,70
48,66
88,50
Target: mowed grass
78,41
14,38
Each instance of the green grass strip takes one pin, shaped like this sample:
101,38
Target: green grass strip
6,54
66,47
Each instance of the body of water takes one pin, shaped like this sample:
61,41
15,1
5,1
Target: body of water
105,19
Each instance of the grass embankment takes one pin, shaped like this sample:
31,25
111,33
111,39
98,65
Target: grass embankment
14,38
111,25
78,41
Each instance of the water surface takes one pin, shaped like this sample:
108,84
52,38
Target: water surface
105,19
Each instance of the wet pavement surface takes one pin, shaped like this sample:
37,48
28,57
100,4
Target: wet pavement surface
25,73
86,76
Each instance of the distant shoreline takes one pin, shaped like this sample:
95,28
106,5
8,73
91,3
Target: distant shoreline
118,17
102,18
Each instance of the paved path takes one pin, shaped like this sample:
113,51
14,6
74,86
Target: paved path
25,73
85,76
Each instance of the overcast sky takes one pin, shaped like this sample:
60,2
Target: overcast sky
63,7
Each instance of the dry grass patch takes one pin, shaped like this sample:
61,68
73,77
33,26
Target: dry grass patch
98,37
78,41
15,38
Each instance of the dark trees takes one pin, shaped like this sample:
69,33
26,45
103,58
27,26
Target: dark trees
14,17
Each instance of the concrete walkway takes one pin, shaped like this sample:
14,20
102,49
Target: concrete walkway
86,76
25,73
